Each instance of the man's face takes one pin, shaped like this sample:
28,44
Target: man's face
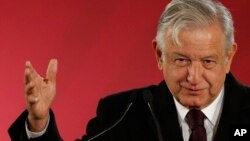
195,71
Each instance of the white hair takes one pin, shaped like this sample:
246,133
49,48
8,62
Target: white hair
193,13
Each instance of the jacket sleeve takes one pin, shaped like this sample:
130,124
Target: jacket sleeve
17,130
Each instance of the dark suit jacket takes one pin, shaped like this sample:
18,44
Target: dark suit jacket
138,124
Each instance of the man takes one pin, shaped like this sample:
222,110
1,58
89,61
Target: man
198,100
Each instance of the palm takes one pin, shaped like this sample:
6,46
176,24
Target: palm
44,96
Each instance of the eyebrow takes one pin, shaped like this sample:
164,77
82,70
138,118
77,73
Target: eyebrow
179,54
211,56
185,56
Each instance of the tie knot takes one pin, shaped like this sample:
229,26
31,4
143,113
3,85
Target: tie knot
195,118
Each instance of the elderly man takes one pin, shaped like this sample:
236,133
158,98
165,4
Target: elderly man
198,100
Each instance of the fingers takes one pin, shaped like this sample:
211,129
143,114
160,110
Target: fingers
29,72
35,84
31,99
30,93
32,81
52,70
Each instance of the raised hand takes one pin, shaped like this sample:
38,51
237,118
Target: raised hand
39,94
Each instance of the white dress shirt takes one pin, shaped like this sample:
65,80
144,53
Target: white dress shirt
212,113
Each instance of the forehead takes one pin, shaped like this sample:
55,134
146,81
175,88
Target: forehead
202,39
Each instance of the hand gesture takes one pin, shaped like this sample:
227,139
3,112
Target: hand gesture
39,94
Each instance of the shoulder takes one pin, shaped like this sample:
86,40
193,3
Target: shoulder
237,97
114,105
233,85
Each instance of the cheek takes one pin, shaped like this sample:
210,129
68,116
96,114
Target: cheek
173,77
173,73
216,81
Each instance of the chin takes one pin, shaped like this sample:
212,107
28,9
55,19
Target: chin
190,104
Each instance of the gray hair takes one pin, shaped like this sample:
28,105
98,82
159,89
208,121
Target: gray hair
195,13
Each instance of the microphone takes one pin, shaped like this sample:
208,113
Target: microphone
130,103
148,98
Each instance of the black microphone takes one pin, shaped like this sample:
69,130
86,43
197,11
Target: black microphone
148,98
130,103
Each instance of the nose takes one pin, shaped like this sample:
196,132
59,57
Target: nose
195,72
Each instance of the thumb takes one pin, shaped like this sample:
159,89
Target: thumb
52,70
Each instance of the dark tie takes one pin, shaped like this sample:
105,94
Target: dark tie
195,120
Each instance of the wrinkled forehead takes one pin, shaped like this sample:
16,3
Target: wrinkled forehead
207,34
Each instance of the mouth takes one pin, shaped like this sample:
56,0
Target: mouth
194,91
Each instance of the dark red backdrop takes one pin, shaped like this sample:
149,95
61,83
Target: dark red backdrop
102,47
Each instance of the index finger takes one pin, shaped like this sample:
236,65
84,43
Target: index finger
29,72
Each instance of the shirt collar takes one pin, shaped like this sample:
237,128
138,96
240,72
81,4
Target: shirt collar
212,111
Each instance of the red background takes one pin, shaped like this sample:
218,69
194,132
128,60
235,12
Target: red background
102,46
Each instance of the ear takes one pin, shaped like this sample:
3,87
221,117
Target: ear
230,55
158,54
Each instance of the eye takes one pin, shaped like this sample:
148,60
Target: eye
182,62
208,63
